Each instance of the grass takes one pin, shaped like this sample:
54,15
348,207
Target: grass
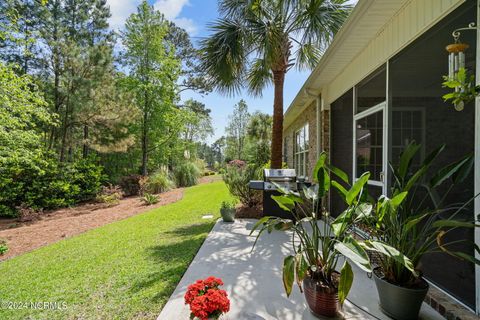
124,270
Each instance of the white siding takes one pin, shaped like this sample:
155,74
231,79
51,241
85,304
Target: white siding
410,21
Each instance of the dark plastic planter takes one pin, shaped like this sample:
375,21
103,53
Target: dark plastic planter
228,215
400,303
322,300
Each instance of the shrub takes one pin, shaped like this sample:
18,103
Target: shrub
159,182
186,174
3,247
237,179
41,182
86,177
149,199
110,195
131,184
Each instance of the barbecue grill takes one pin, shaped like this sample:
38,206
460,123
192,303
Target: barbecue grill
286,178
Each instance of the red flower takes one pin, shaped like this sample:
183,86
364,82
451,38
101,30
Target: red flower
206,299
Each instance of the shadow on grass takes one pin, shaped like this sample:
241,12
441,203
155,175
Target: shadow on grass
173,259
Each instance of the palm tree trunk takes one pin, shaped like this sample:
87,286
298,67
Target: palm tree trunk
277,131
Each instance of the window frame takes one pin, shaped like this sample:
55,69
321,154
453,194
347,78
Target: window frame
301,154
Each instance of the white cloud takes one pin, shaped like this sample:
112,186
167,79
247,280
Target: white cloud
186,24
170,8
121,10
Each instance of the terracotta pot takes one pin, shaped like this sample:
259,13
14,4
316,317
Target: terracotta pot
322,300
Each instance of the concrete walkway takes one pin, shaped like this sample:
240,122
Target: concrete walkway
253,280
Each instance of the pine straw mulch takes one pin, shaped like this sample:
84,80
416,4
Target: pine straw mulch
64,223
244,212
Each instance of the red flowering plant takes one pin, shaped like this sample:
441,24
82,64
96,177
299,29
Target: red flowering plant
206,300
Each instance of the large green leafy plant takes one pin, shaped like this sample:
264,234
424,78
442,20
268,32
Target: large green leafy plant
318,241
416,220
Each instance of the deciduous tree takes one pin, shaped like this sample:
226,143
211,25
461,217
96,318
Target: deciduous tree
153,73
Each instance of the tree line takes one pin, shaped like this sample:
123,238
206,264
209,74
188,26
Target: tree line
82,105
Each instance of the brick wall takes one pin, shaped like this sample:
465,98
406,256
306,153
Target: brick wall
308,115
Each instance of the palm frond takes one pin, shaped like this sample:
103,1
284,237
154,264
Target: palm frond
258,77
224,55
317,21
307,56
255,37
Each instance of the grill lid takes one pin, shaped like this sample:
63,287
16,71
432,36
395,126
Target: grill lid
279,174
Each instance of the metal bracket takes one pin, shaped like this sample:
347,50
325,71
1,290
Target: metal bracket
456,32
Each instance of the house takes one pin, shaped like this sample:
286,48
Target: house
379,86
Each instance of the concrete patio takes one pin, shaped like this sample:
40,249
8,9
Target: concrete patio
253,280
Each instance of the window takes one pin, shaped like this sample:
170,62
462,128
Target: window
408,125
369,145
301,151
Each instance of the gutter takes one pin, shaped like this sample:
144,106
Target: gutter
358,11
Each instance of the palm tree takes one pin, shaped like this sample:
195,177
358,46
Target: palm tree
256,42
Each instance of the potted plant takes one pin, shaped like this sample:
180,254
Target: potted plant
406,223
227,210
318,241
206,300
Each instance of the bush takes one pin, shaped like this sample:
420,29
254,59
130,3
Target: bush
149,199
3,247
131,184
186,174
159,182
110,195
237,179
41,182
86,177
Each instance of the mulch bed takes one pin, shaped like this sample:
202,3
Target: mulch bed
56,225
245,212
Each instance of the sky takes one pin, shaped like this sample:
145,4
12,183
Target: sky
194,16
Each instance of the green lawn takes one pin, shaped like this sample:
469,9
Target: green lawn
125,270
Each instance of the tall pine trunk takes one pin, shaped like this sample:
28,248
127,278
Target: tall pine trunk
277,130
